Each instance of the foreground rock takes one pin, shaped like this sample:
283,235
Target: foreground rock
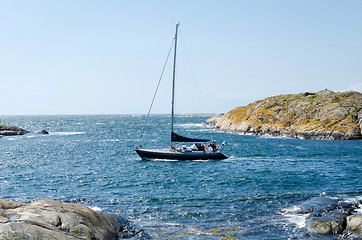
354,224
51,220
321,115
329,216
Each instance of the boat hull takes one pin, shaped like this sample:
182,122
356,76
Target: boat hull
176,155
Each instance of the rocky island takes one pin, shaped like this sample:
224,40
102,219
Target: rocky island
322,115
6,130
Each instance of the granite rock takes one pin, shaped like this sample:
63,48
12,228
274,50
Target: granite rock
51,220
321,115
330,216
7,130
354,224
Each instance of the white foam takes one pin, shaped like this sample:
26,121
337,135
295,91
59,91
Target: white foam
10,138
190,125
67,133
165,160
355,199
174,224
293,217
291,214
291,209
96,209
283,136
359,209
297,219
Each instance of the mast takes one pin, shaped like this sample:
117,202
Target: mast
173,84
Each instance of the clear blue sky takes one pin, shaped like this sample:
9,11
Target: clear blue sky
105,57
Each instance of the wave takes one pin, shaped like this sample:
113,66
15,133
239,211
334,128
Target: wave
293,217
190,125
297,214
356,199
66,133
96,209
283,136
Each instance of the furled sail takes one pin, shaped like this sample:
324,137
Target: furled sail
178,138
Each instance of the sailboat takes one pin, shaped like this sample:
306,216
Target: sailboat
197,151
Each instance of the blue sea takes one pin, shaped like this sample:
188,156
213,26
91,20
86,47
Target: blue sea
90,159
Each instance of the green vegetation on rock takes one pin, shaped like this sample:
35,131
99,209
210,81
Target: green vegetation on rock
321,115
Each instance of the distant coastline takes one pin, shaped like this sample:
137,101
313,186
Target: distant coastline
321,115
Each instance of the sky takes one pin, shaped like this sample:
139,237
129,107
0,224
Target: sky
106,57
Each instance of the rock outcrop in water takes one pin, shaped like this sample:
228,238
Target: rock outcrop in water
6,130
321,115
329,216
51,220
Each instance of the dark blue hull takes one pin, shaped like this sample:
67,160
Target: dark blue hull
176,155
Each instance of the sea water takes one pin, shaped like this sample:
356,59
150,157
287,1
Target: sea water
91,160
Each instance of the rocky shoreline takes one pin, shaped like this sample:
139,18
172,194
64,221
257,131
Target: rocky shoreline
52,220
330,216
321,115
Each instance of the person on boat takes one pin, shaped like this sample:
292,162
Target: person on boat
203,147
213,146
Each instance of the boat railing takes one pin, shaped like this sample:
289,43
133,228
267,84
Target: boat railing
184,148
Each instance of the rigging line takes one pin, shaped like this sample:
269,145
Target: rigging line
194,89
154,95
